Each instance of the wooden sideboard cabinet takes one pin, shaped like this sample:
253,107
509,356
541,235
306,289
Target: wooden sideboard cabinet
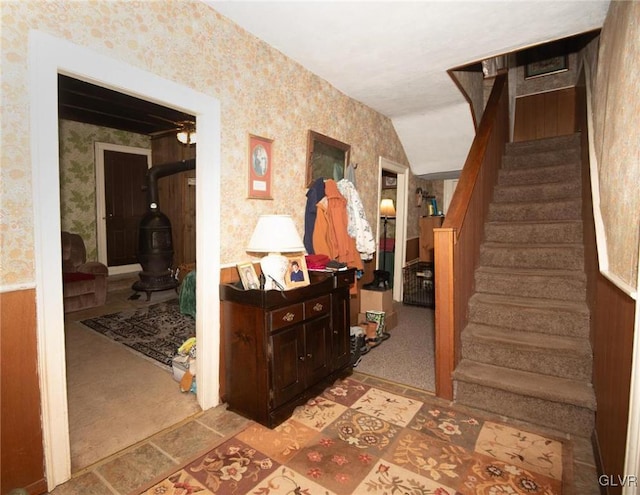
427,224
282,348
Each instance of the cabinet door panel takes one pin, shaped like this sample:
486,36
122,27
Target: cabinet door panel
317,346
287,364
340,332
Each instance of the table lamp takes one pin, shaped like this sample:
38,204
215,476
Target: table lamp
275,234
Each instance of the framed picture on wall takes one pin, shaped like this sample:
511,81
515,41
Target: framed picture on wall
260,166
545,67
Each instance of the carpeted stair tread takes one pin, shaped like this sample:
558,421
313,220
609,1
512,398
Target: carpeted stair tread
541,158
530,232
537,192
568,256
532,341
556,209
546,304
543,144
566,357
537,175
532,282
550,388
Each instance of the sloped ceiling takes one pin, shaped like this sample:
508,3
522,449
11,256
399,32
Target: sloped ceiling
394,56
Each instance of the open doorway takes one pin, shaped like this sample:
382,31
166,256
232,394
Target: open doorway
48,57
117,396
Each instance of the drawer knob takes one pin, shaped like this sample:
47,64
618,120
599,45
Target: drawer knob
288,317
318,307
301,358
309,356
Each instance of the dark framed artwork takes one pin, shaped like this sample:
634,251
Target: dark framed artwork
260,166
545,67
327,158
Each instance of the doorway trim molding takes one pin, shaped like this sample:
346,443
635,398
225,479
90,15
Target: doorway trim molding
101,209
400,254
48,57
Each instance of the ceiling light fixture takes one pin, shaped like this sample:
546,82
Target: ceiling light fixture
187,133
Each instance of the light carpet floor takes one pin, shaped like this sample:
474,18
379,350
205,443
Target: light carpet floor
408,356
116,397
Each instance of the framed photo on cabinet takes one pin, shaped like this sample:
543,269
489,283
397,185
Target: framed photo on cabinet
260,166
297,274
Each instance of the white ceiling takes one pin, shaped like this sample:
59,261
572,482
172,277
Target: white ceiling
393,56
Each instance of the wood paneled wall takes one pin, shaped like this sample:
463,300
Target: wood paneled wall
612,327
177,196
457,242
545,115
22,453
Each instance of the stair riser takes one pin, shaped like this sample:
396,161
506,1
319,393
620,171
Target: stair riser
534,234
568,258
526,359
526,176
538,192
525,212
564,417
533,319
559,288
542,158
557,143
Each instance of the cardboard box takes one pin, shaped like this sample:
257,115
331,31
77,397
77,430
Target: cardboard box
376,300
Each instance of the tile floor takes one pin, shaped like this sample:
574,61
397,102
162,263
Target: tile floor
133,468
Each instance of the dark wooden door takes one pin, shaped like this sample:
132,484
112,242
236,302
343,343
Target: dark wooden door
288,364
125,204
317,341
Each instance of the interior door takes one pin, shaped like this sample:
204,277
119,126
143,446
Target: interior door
125,204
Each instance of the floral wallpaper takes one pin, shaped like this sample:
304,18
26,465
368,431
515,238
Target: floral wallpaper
261,92
78,177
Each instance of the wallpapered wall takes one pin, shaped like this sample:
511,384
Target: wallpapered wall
261,92
616,137
78,177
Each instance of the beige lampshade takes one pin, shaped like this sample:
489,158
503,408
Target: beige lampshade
387,209
275,234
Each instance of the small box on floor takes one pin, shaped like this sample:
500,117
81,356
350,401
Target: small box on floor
376,300
390,323
179,365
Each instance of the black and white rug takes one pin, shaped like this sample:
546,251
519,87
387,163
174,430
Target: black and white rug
157,331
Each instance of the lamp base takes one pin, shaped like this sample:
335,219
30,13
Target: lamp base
274,267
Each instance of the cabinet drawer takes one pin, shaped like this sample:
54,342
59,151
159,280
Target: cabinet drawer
344,279
286,316
317,307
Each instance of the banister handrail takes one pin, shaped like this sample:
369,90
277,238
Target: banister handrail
460,201
457,242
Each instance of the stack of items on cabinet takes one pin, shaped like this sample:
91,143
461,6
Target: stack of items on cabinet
375,318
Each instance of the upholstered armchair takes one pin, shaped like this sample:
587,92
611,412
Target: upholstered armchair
84,284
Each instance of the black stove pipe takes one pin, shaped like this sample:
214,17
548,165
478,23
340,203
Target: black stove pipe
158,171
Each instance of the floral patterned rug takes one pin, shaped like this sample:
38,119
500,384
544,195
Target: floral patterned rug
359,439
156,331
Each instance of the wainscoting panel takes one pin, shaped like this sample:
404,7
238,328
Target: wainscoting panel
545,115
22,456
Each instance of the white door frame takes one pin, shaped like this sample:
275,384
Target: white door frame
49,56
400,254
101,209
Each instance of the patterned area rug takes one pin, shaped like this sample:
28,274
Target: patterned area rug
155,331
357,439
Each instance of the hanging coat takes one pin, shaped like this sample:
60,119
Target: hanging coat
314,194
358,226
330,233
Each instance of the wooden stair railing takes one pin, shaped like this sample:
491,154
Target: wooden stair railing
457,242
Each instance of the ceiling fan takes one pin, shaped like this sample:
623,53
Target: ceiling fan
185,131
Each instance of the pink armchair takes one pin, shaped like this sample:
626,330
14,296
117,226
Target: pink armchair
84,284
